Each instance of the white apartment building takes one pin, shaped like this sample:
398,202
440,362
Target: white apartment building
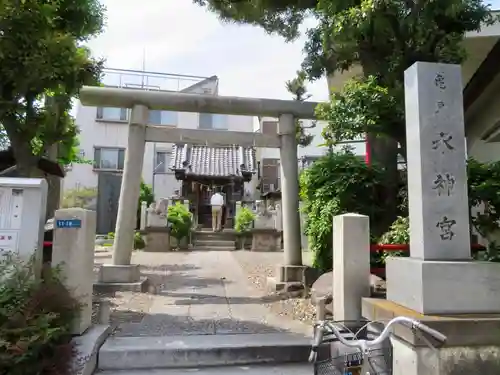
103,136
103,131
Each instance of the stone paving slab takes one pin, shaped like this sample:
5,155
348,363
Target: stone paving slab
195,293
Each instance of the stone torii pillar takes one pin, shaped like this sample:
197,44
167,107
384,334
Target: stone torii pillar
291,273
121,271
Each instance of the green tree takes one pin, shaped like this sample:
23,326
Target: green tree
43,64
297,87
384,38
335,184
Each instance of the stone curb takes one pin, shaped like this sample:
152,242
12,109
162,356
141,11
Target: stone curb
87,347
133,353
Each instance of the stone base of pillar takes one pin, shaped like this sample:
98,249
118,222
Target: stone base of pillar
113,277
288,279
472,346
427,286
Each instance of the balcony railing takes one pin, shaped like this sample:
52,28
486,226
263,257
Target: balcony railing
136,79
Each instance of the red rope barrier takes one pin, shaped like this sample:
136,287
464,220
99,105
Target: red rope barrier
380,271
405,247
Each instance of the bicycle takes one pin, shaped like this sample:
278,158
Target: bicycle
368,358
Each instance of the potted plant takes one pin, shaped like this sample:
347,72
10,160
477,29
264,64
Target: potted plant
180,220
243,226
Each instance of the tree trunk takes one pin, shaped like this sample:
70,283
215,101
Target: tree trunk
384,152
26,162
54,187
27,166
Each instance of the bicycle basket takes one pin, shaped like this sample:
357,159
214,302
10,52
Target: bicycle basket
375,361
341,365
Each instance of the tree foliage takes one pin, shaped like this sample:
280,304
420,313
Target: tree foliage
363,106
335,184
36,319
282,17
43,64
297,87
384,38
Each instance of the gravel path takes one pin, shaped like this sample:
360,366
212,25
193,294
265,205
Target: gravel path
258,266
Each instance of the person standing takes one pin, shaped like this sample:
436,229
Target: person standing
217,202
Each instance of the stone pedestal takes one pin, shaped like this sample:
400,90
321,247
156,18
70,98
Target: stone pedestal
113,277
110,273
444,287
472,345
73,251
266,239
157,239
288,278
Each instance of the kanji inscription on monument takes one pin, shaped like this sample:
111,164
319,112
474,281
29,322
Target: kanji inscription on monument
436,156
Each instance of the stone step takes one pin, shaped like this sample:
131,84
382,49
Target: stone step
213,248
282,369
207,234
212,242
192,351
215,236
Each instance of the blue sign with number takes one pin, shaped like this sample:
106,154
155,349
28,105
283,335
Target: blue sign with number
69,223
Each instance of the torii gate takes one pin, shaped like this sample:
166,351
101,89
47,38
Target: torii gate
139,132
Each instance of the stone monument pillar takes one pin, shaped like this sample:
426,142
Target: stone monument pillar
439,283
437,192
351,265
237,210
144,214
73,251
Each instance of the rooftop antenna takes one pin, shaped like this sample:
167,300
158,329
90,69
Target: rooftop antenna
143,66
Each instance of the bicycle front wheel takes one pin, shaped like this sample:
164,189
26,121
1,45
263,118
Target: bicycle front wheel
347,364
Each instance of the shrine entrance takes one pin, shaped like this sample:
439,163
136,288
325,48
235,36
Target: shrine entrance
232,163
205,169
200,192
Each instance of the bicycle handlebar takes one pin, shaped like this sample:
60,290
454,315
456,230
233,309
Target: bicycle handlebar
363,345
438,336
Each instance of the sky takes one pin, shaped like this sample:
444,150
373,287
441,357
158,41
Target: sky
176,36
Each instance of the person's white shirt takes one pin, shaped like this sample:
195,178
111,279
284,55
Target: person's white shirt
217,200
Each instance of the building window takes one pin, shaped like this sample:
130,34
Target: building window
109,158
162,164
269,127
271,180
112,114
213,121
307,161
157,117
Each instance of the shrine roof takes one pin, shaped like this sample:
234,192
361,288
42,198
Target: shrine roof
209,161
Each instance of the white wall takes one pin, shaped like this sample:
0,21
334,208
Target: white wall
481,117
98,133
316,147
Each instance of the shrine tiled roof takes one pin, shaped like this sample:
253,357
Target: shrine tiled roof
207,161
